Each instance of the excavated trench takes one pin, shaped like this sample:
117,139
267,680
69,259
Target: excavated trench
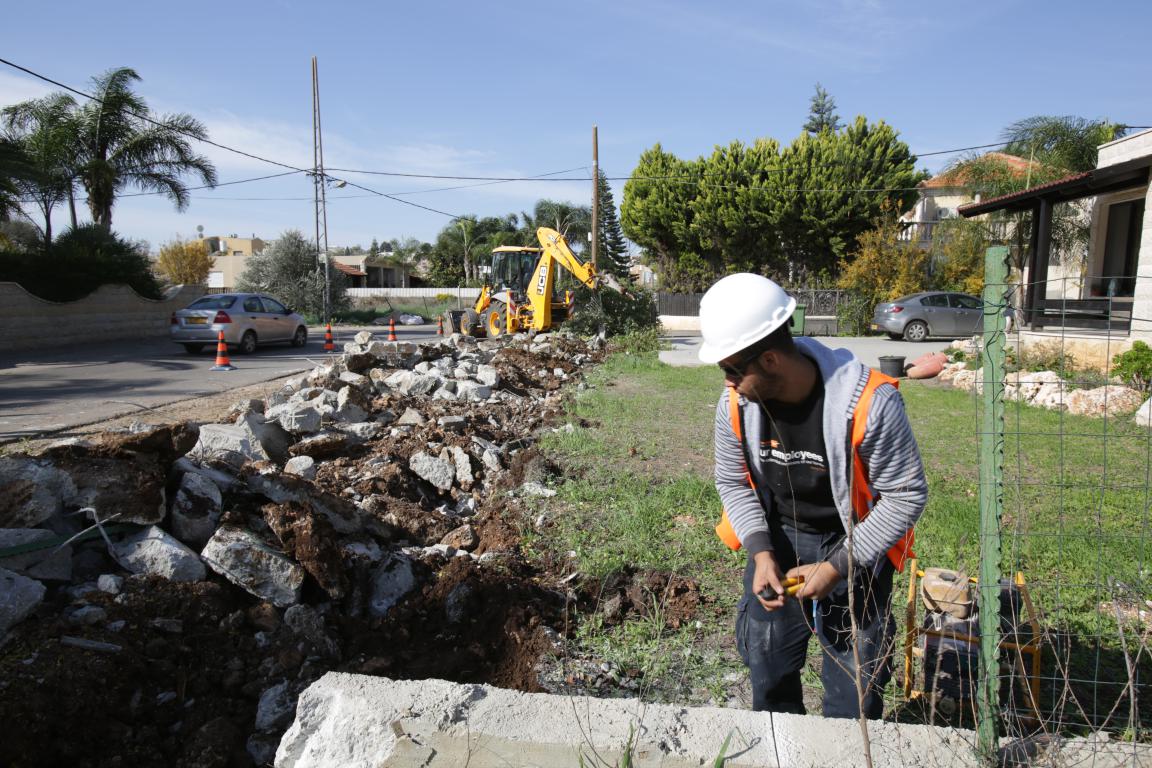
366,519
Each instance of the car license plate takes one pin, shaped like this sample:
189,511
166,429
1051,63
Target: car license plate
195,321
874,327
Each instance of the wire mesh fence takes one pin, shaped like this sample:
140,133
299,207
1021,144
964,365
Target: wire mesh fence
1051,635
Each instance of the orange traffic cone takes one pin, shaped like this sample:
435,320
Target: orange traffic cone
392,329
222,361
328,345
440,326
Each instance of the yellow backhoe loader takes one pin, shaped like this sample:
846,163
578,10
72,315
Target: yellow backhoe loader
520,292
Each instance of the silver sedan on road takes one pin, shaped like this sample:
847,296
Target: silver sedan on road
932,313
247,320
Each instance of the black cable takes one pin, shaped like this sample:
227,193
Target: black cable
148,119
221,184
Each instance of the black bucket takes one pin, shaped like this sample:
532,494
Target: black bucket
892,365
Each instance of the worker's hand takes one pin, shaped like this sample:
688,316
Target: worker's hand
767,575
819,579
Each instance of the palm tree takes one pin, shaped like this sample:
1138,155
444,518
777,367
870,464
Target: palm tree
120,145
13,169
45,133
1065,142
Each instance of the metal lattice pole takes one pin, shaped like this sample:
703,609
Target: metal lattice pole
318,182
991,500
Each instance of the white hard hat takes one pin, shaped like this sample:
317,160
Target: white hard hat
738,311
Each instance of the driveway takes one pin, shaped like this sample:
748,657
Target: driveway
52,390
868,349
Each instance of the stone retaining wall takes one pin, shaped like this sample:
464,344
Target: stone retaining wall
110,313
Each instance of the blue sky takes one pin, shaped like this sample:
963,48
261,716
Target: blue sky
514,88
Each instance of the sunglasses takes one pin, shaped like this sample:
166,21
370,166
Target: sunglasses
740,367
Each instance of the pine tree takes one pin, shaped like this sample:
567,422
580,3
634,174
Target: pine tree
374,249
822,114
611,247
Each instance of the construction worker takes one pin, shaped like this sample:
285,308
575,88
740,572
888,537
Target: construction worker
821,482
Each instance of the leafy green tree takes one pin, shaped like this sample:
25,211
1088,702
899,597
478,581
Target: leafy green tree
117,148
612,249
732,221
656,213
822,113
957,255
1065,142
572,221
14,169
374,249
45,130
80,261
288,270
832,187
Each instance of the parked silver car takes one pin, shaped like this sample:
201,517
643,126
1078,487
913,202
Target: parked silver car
247,319
932,313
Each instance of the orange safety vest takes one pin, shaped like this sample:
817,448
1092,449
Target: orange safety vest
862,498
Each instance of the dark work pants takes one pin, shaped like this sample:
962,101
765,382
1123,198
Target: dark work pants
774,644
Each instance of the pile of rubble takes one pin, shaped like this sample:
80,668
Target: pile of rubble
166,593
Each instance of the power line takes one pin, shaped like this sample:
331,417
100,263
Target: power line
148,119
221,184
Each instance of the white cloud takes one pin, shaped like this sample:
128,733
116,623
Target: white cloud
15,88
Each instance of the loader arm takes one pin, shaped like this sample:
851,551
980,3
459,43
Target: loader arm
558,254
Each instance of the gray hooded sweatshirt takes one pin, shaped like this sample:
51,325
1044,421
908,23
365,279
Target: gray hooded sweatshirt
889,452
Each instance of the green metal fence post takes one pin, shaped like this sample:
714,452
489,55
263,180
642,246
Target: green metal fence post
991,501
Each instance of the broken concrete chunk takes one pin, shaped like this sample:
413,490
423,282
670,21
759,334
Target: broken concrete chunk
276,707
470,390
249,563
463,464
230,444
152,551
110,583
302,466
299,418
269,434
536,489
379,377
355,380
452,423
488,375
391,580
308,624
492,461
19,596
363,338
223,480
437,471
463,537
196,509
412,384
361,430
45,564
285,488
132,489
411,416
348,408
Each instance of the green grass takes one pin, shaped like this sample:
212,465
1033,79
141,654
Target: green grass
1076,517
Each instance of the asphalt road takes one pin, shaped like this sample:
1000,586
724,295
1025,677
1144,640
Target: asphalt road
47,391
868,349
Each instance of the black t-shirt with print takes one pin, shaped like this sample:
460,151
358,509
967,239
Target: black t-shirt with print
795,464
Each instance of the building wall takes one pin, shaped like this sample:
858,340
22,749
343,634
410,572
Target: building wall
1127,148
230,255
109,313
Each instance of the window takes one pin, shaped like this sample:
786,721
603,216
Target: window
935,300
213,302
271,305
964,301
252,304
1121,249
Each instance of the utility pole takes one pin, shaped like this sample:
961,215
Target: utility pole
595,195
318,186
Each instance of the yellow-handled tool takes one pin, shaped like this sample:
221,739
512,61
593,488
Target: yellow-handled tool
791,587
